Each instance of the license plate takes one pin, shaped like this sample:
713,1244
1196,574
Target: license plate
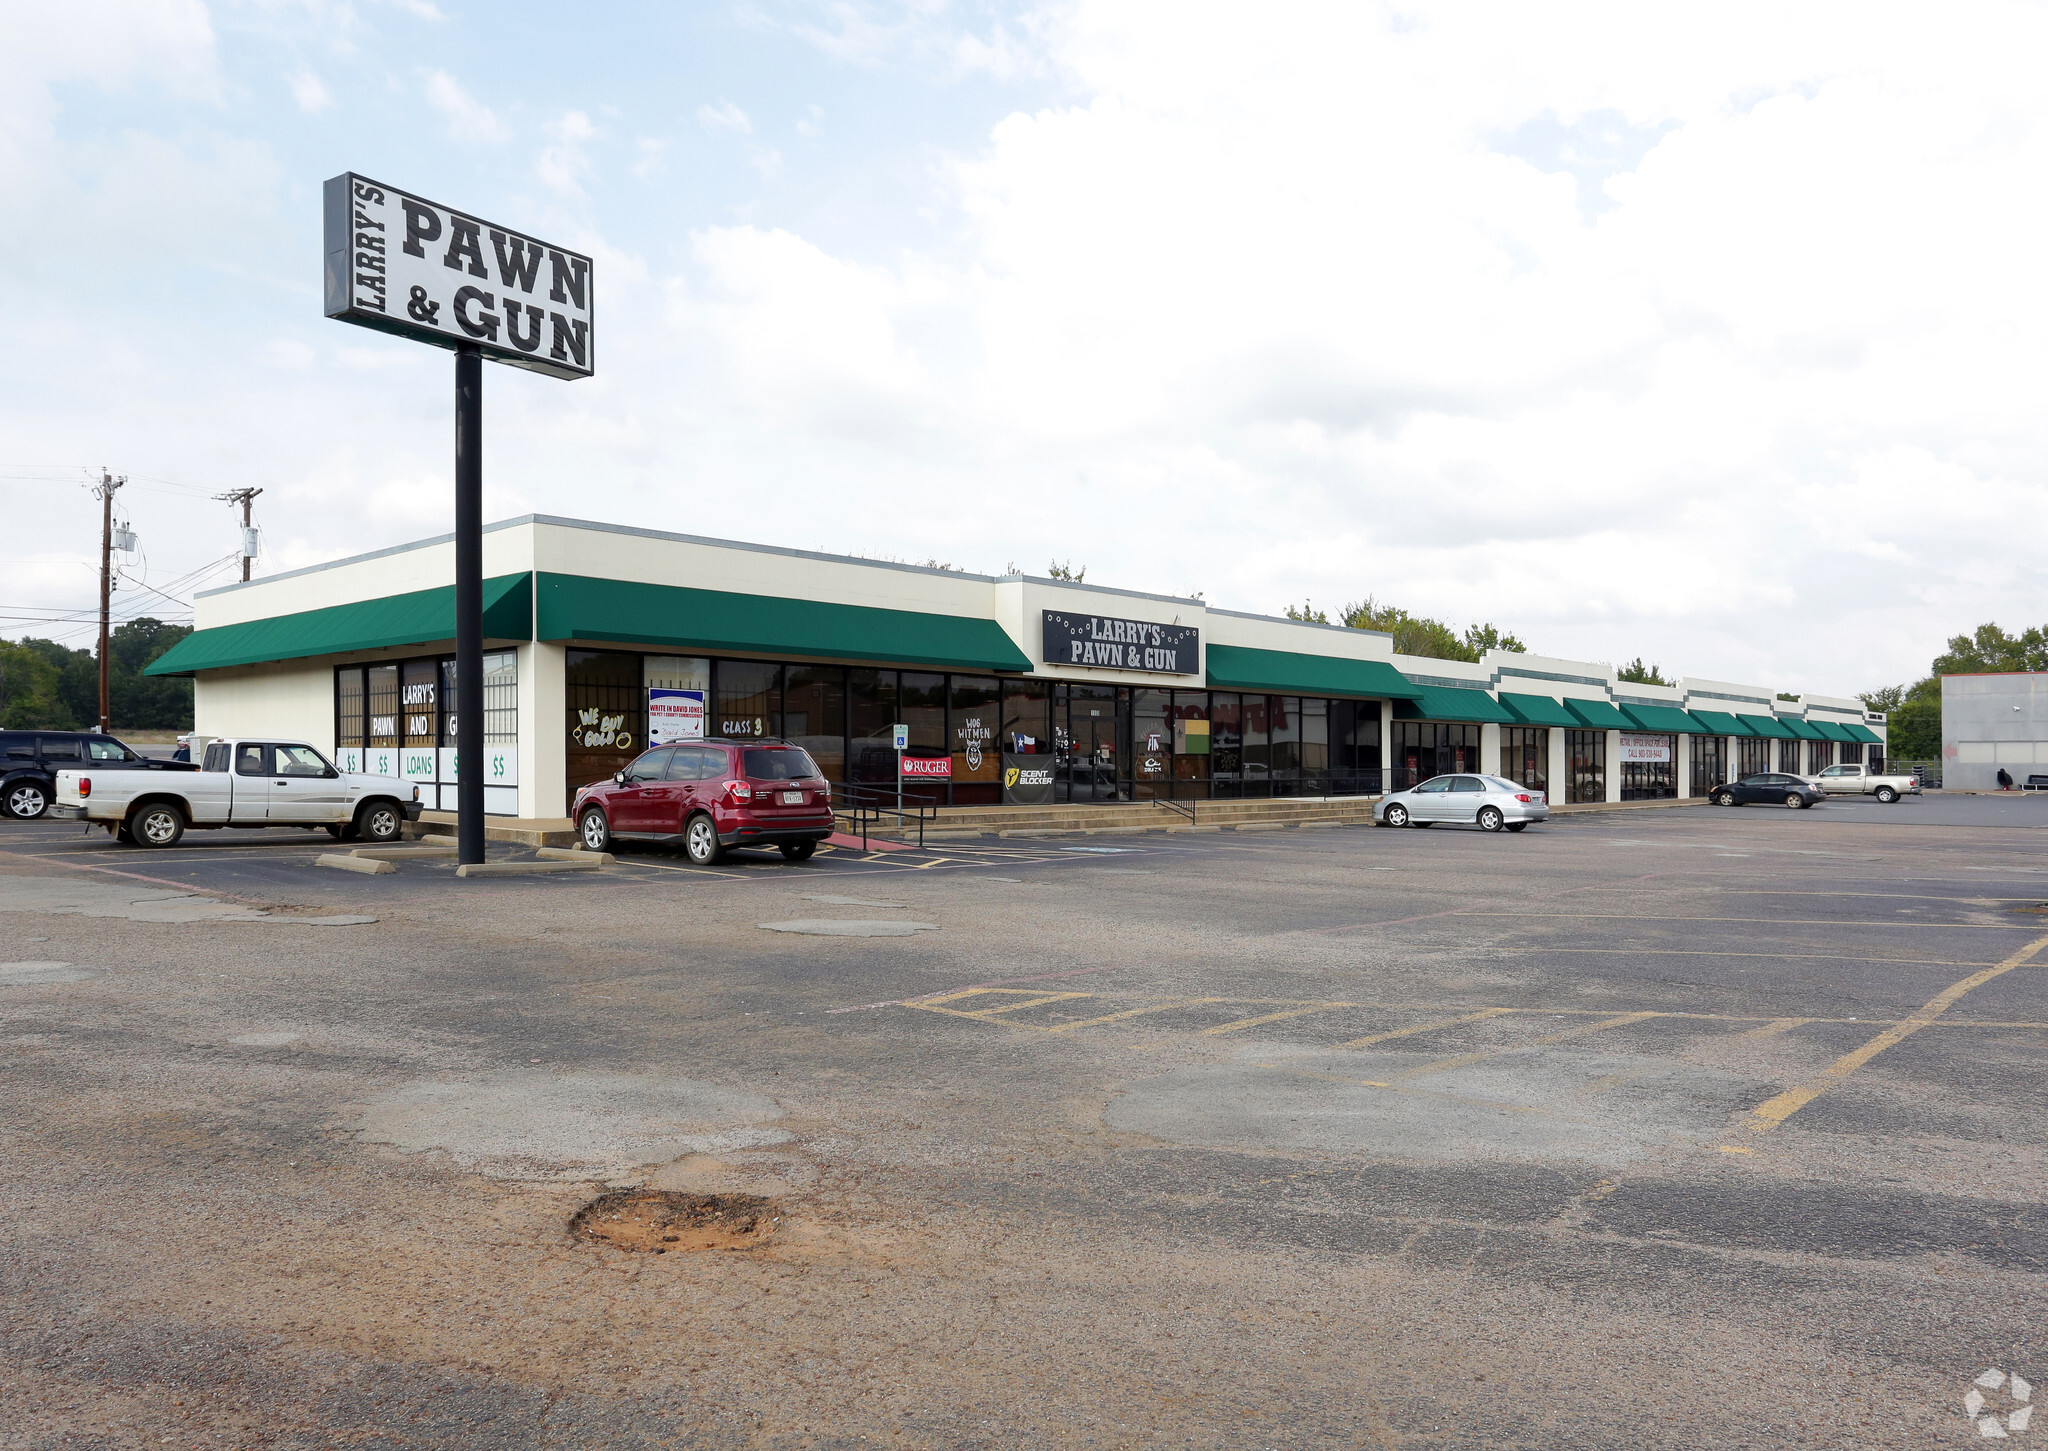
792,798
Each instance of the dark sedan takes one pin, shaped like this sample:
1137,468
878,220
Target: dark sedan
1770,790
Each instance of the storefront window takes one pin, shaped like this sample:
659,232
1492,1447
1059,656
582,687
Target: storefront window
973,721
1355,746
1821,756
1027,742
1257,754
1753,756
1709,763
383,693
748,703
1525,756
1226,744
420,694
1849,755
924,711
348,707
1151,744
1788,756
871,704
814,715
1283,717
1191,743
1649,767
1315,747
1586,765
607,711
1425,748
501,698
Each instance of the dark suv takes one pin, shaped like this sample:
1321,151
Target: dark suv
30,761
709,795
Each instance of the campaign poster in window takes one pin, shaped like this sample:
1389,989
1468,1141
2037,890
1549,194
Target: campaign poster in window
674,715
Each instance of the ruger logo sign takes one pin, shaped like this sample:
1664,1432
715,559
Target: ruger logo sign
930,767
1115,644
405,265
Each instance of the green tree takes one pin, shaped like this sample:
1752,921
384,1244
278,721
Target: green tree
1638,673
146,702
1481,638
1305,613
1913,727
1989,649
1413,634
28,688
1884,699
1058,569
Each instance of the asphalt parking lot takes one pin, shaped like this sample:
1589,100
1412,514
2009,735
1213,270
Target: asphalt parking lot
1687,1127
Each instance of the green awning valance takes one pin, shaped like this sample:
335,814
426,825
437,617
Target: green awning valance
1538,710
423,617
1769,725
1598,715
1804,730
1446,702
1283,672
1866,735
579,607
1721,723
1835,731
1668,719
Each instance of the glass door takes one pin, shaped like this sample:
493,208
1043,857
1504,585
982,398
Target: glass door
1091,750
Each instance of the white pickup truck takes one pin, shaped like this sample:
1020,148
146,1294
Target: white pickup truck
249,783
1860,781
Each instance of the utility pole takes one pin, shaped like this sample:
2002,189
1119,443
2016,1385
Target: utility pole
106,489
244,497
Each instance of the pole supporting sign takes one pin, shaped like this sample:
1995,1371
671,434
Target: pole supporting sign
416,269
404,265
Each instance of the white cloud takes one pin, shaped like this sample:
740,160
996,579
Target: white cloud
468,118
311,92
563,165
724,116
653,156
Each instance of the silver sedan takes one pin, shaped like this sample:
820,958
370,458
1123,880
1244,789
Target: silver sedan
1488,802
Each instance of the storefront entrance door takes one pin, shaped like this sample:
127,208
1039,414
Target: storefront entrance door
1091,748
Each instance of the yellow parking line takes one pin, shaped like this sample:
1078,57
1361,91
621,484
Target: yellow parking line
1445,1065
1134,1013
1768,1115
1273,1018
1480,1016
1037,1002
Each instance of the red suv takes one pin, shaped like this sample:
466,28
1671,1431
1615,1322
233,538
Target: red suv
710,795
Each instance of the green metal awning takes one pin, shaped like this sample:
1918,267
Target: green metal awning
1804,730
1598,715
1284,672
579,607
1538,710
422,617
1769,725
1668,719
1721,723
1446,702
1835,731
1865,734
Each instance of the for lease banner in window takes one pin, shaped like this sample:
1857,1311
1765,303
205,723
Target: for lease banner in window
1645,748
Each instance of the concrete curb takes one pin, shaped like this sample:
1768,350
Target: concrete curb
525,869
574,854
366,865
402,853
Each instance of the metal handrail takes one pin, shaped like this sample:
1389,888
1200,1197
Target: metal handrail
861,805
1178,808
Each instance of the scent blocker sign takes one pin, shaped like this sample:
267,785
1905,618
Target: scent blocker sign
402,264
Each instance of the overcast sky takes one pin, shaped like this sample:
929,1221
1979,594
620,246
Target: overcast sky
1714,337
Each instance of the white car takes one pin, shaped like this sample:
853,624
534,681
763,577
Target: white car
250,783
1490,803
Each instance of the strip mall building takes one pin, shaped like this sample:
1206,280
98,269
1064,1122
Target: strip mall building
602,640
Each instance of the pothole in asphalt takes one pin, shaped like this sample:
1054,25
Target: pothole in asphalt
834,927
662,1221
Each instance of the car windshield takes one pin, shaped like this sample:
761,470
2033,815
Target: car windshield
782,763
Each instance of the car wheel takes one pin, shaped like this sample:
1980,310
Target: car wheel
1794,800
593,830
1518,826
158,826
1396,816
799,851
1490,818
1726,798
700,841
380,822
1886,795
27,799
335,830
